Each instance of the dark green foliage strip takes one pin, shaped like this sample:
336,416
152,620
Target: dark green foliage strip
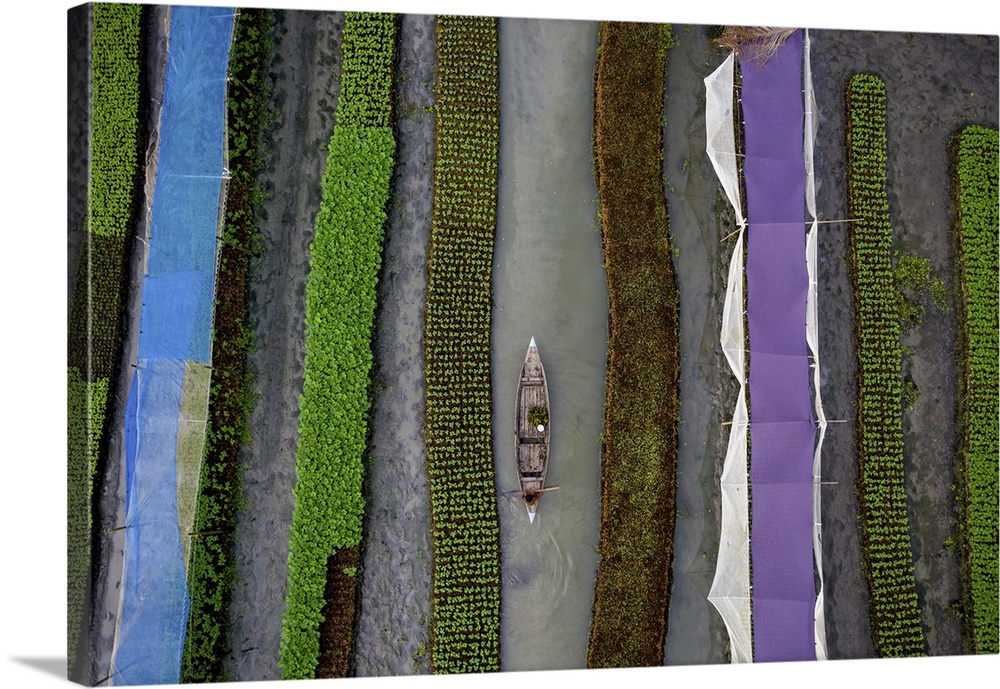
976,168
77,512
95,319
340,308
97,313
639,458
87,403
465,528
895,614
231,396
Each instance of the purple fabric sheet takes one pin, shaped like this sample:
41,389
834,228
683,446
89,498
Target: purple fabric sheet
782,428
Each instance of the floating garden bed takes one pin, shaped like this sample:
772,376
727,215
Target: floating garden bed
97,313
231,396
976,176
465,631
638,483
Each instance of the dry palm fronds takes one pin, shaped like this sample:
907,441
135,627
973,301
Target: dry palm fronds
757,43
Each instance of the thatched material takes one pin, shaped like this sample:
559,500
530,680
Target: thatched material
757,43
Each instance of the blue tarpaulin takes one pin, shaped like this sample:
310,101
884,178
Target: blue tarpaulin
175,327
154,601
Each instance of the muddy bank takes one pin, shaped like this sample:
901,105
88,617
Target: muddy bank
393,625
696,208
109,556
935,84
305,76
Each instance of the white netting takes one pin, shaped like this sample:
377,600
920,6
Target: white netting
812,337
730,593
721,140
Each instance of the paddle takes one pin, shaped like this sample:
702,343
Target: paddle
521,493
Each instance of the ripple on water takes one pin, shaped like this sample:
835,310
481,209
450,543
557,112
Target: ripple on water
537,569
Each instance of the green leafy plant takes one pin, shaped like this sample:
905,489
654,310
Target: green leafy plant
914,280
538,416
976,156
638,482
344,260
465,540
911,393
895,614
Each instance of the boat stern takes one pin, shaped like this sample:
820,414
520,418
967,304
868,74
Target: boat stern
531,505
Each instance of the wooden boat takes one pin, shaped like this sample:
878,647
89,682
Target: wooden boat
531,430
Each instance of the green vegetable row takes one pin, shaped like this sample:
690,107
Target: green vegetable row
86,407
344,260
231,396
114,116
96,314
895,614
465,529
639,460
976,172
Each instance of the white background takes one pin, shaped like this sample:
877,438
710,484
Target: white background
33,331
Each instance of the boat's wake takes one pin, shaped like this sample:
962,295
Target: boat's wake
537,572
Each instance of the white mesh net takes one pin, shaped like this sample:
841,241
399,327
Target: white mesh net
730,593
812,337
721,141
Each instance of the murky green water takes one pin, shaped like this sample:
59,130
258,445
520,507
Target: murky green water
549,284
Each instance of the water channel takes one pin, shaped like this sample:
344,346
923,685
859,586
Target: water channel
548,283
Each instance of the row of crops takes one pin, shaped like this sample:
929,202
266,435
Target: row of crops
638,483
231,397
85,412
464,523
344,260
96,314
895,614
976,172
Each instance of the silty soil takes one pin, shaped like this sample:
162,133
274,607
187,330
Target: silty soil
393,625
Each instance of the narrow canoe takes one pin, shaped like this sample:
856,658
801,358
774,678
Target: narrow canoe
531,430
